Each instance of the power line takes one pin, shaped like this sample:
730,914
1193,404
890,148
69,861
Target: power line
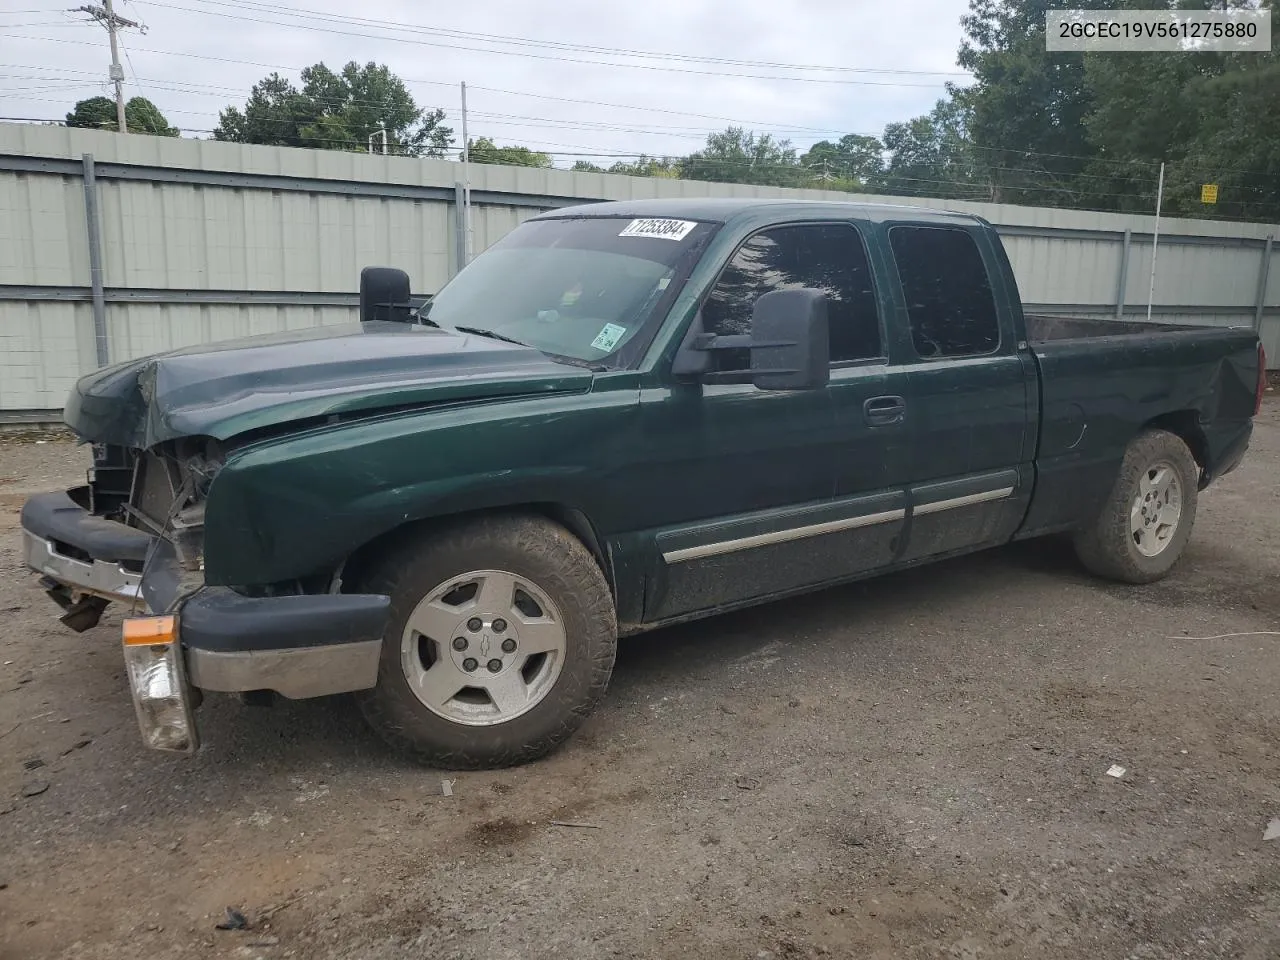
276,9
391,37
451,85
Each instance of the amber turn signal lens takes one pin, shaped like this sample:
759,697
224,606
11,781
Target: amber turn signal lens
146,630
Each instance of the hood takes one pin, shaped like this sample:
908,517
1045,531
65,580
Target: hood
224,389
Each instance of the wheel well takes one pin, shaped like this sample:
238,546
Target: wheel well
575,521
1186,425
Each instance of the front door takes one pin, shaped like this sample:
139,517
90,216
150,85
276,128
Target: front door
762,477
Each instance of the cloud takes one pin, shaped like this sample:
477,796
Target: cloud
58,59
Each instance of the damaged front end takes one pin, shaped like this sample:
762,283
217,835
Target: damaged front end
134,533
169,488
94,544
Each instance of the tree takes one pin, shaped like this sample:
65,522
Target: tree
643,166
736,156
484,150
337,111
140,116
1027,107
1235,143
932,156
1212,117
848,164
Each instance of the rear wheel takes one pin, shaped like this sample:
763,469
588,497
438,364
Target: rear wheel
501,640
1146,521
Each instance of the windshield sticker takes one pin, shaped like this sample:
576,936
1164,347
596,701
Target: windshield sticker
608,337
658,229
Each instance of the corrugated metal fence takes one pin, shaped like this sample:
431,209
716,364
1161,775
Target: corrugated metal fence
118,246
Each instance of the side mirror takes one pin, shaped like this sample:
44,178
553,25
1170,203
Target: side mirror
384,294
790,349
788,345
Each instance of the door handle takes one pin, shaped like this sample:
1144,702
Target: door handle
881,411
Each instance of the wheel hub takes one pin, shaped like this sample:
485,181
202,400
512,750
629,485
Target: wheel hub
489,643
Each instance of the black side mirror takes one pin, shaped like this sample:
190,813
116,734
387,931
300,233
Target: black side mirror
790,349
788,345
384,294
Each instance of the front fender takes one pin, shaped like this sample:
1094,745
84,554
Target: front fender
295,506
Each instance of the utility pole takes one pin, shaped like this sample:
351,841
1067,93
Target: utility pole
466,180
106,16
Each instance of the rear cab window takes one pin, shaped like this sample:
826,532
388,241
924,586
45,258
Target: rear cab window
950,306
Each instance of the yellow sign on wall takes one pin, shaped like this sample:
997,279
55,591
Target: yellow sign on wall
1209,193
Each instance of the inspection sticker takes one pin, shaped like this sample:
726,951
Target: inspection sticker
608,337
658,229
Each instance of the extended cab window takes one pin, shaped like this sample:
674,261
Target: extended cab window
947,291
825,256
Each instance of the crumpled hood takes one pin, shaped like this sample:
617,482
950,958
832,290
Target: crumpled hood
224,389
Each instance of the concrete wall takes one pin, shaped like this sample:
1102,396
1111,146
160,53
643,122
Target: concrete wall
202,241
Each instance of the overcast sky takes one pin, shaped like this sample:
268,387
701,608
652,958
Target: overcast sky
198,56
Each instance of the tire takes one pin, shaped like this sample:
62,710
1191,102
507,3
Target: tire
1132,546
559,591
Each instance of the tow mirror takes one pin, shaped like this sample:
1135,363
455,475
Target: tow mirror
384,294
788,345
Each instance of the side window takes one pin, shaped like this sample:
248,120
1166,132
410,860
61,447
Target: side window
826,256
947,291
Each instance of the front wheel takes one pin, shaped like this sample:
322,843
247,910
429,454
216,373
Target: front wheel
1147,519
501,640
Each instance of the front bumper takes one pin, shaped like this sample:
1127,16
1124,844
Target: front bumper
86,554
304,646
298,646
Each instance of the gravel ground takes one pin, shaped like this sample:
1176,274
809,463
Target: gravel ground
910,767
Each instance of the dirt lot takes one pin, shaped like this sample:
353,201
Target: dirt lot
911,767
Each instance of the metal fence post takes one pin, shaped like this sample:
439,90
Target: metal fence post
95,259
459,226
1264,272
1122,282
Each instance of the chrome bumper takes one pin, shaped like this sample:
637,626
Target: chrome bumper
297,674
100,578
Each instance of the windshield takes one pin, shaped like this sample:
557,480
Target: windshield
582,289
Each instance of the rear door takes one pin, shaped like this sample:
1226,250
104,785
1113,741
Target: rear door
969,391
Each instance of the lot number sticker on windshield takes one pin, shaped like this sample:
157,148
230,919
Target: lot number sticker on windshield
658,229
608,337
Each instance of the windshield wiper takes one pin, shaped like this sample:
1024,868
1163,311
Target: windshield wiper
481,332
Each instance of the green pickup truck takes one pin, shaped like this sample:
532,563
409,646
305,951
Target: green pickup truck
621,416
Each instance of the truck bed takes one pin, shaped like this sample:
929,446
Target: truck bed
1103,381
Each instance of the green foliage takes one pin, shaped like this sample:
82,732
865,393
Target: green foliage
1027,107
1090,130
1213,117
484,150
850,163
337,111
665,167
738,156
932,156
140,116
